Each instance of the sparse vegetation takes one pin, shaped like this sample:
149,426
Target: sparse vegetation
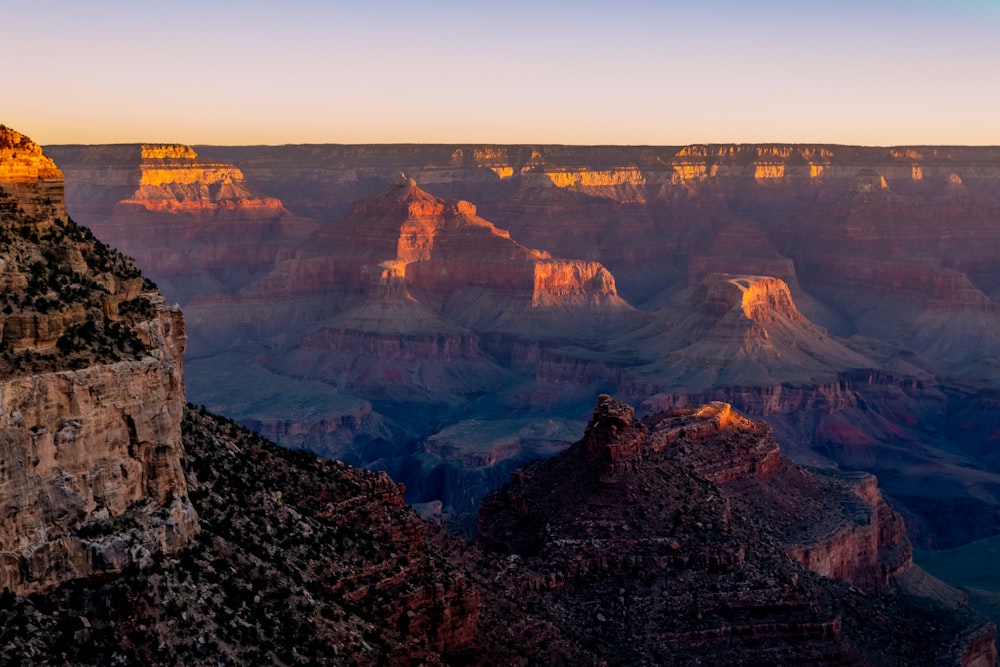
274,577
65,301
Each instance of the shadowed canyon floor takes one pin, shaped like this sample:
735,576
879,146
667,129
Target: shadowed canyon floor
387,310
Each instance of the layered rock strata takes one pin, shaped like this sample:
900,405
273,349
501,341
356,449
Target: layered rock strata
609,554
736,330
90,397
893,244
192,224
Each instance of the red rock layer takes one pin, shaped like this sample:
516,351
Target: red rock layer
688,534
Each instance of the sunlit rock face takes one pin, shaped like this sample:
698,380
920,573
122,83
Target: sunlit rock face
191,223
29,177
737,330
91,394
173,179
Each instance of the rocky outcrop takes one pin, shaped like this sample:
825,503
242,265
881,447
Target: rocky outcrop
29,179
84,450
172,179
439,246
90,399
687,534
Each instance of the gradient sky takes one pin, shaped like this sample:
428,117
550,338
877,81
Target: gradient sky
882,72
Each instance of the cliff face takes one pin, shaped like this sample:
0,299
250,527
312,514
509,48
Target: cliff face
173,179
736,330
90,399
29,177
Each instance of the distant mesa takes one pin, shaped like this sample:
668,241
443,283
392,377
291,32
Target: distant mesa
743,331
173,179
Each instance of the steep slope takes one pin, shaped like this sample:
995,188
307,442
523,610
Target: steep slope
91,394
301,561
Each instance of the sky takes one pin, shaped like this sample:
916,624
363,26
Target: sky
881,72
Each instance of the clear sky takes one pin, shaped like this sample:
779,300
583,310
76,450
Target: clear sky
881,72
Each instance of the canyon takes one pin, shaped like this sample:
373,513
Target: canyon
365,301
140,531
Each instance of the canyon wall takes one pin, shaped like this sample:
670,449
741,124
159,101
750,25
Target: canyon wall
191,223
91,394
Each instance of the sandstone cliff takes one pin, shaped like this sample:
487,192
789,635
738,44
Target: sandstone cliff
738,330
30,179
90,398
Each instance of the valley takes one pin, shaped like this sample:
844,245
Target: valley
845,294
140,530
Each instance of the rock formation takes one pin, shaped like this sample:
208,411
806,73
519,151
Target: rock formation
687,536
889,254
173,179
91,394
192,224
742,331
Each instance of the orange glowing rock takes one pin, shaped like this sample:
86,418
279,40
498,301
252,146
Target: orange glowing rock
173,179
29,177
769,170
22,161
